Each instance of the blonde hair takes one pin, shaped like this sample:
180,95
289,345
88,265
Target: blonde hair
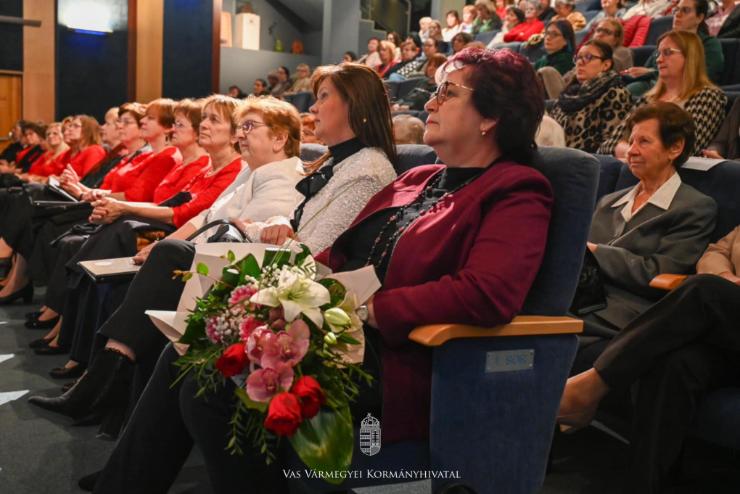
694,77
224,106
280,117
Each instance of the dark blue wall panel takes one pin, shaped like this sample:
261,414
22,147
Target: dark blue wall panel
92,72
11,36
187,46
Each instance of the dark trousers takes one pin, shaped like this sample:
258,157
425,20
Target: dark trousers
160,434
153,288
678,349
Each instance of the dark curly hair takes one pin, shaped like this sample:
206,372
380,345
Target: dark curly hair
506,88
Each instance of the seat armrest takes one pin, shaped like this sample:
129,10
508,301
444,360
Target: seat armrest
667,282
438,334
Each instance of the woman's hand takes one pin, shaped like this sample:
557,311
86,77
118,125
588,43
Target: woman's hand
711,153
636,71
240,224
69,177
276,234
143,254
730,277
591,246
94,195
107,210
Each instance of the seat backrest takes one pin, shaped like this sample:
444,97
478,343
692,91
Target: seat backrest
405,87
311,152
658,26
486,37
731,52
574,176
640,54
409,155
721,183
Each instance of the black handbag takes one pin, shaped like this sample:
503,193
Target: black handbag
227,231
590,294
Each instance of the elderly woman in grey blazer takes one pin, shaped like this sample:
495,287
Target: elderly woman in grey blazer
659,226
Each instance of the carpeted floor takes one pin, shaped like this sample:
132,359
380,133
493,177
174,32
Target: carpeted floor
41,453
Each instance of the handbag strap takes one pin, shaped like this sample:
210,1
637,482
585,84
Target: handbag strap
214,223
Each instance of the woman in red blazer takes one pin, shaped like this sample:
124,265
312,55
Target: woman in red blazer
531,25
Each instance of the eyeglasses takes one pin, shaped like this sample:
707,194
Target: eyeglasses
249,125
180,125
667,52
684,10
126,121
552,34
603,30
586,58
442,91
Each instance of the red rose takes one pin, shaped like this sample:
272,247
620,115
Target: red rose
283,414
233,360
310,395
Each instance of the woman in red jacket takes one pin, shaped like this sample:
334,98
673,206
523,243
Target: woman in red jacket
82,135
459,243
50,162
531,25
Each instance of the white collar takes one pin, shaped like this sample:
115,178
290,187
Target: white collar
662,198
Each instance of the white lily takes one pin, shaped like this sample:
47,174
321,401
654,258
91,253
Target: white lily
297,294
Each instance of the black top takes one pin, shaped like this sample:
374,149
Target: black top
27,160
312,184
381,228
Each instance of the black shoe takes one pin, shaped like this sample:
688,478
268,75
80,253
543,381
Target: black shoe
68,385
87,483
26,293
108,376
51,350
33,315
5,264
36,324
39,343
67,372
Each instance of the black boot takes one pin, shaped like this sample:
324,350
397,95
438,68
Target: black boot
108,376
87,483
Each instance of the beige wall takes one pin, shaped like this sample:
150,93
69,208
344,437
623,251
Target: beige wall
38,61
149,35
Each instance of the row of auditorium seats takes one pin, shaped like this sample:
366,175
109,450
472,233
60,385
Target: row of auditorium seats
519,468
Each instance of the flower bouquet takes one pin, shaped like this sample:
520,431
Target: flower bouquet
288,338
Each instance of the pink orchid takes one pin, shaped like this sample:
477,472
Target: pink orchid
247,326
287,347
256,343
263,384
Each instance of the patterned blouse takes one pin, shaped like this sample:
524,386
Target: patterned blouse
707,107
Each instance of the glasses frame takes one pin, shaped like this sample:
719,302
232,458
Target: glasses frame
604,30
440,95
667,52
587,58
249,125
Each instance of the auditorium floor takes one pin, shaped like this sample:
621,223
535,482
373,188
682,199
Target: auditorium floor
40,453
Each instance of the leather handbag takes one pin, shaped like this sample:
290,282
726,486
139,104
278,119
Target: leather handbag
590,294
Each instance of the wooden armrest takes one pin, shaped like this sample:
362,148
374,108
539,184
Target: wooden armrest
438,334
667,282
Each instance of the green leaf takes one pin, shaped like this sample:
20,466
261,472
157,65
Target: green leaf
230,256
230,277
325,442
345,338
195,331
302,255
276,257
248,402
187,276
336,291
249,266
201,268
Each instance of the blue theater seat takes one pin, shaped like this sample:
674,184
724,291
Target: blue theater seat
658,26
496,391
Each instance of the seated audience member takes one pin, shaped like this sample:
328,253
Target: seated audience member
429,48
650,8
460,41
565,10
417,97
411,62
545,11
81,133
34,133
681,80
308,129
16,138
302,82
487,19
611,32
513,16
452,19
483,121
559,46
386,50
349,57
424,28
676,351
726,144
689,17
283,82
595,103
530,26
661,225
372,57
469,13
726,21
50,162
338,186
395,38
435,30
236,92
610,9
408,129
260,88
